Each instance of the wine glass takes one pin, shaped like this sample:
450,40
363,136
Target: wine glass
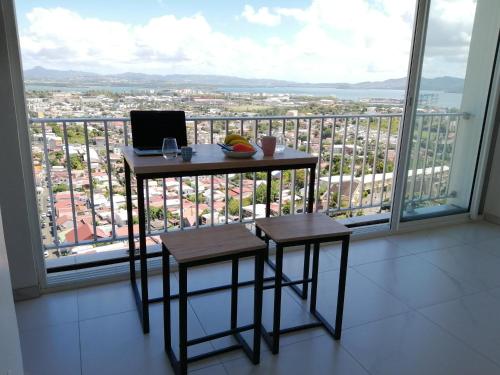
169,149
280,144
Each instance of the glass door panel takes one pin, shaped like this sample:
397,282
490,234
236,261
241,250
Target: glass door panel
447,124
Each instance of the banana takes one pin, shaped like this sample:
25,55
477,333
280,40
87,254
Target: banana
238,141
232,137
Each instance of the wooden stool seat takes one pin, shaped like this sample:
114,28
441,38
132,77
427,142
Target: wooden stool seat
304,227
211,242
199,247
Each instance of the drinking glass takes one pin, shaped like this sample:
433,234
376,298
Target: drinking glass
280,144
169,148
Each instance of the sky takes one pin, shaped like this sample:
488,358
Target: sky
296,40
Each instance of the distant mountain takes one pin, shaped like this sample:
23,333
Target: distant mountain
40,75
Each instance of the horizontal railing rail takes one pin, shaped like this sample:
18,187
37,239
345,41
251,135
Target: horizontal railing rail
357,157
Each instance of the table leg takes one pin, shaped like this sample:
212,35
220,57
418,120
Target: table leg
305,275
268,194
143,255
257,306
166,299
341,292
182,319
277,299
310,199
234,293
130,223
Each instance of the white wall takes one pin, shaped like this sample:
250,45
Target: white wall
17,194
10,348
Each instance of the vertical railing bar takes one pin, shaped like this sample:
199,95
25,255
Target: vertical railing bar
281,172
212,178
320,159
353,162
270,130
452,154
417,157
181,204
292,188
365,151
91,182
306,171
443,155
241,183
70,180
434,156
196,182
226,208
148,210
49,185
110,182
328,192
125,132
341,172
165,213
374,169
386,154
256,134
424,167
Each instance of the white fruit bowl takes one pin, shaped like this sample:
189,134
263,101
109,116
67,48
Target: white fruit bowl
239,155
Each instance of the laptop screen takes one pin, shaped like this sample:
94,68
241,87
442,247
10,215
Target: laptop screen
150,127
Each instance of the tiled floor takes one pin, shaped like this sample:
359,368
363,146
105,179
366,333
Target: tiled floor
418,303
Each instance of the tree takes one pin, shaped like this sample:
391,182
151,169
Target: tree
286,208
233,207
59,188
76,162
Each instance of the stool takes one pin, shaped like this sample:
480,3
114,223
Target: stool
195,247
304,229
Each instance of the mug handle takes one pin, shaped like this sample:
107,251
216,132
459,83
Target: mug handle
258,142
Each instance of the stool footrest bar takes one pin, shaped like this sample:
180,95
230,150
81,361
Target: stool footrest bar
219,335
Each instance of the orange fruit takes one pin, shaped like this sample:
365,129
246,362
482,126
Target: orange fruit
240,147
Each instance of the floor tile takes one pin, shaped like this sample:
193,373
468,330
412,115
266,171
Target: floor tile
468,264
47,310
409,344
115,344
473,319
372,250
364,300
105,299
319,355
421,241
415,281
472,233
51,350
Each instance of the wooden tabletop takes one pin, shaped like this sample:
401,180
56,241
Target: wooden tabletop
210,158
210,242
292,228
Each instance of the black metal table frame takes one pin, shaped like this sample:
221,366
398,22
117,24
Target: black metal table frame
142,299
272,338
180,364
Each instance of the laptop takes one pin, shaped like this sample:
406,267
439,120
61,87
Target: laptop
149,128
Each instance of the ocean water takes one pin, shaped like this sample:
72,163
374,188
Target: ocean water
443,99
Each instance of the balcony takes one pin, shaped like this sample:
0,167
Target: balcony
416,303
80,182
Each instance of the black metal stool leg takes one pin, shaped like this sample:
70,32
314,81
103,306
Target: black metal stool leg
257,306
341,292
166,298
234,294
182,319
277,299
307,257
315,270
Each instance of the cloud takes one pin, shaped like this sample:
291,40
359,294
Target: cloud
262,16
330,42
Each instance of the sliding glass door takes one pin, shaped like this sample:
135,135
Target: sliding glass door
447,114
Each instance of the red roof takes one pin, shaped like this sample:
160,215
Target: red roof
85,232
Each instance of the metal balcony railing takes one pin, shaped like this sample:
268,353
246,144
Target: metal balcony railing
79,172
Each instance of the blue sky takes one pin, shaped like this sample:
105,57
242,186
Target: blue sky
300,40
